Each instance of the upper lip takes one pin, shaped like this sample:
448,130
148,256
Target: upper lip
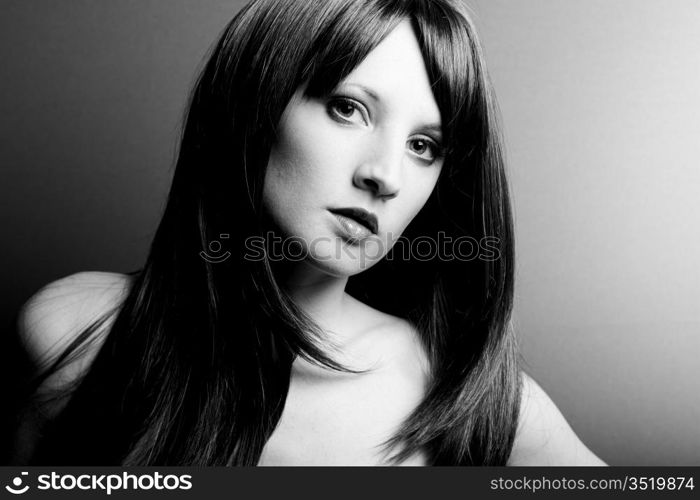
360,215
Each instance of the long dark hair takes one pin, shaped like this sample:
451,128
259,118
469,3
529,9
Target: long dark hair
196,367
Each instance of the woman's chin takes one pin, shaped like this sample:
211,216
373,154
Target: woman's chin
330,254
345,258
340,267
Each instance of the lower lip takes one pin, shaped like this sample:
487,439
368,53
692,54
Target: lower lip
353,229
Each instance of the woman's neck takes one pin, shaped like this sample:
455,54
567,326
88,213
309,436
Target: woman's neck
321,296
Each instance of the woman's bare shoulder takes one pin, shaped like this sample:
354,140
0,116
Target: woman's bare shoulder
60,310
47,323
544,437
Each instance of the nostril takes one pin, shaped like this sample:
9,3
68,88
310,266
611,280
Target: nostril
372,185
379,189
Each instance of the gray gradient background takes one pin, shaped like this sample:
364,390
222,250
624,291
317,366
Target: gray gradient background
601,111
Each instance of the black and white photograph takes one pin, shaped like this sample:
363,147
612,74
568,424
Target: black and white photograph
350,233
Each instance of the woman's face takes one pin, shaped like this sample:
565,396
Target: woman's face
372,147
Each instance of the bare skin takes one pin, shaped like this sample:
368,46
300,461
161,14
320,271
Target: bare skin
339,418
343,418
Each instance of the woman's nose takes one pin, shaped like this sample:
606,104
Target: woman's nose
381,172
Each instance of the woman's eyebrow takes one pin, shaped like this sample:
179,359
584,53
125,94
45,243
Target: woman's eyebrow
364,89
435,128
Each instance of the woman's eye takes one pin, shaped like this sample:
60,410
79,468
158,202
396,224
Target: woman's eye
425,149
347,111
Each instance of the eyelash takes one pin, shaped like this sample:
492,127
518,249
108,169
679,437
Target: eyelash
359,107
437,150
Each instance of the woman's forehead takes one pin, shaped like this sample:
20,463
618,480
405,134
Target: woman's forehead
393,75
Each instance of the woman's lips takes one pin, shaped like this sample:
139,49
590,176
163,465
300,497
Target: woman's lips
358,216
352,229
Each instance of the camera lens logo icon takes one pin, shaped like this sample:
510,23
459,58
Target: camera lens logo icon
16,488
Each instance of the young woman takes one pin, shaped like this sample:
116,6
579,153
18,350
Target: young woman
325,141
